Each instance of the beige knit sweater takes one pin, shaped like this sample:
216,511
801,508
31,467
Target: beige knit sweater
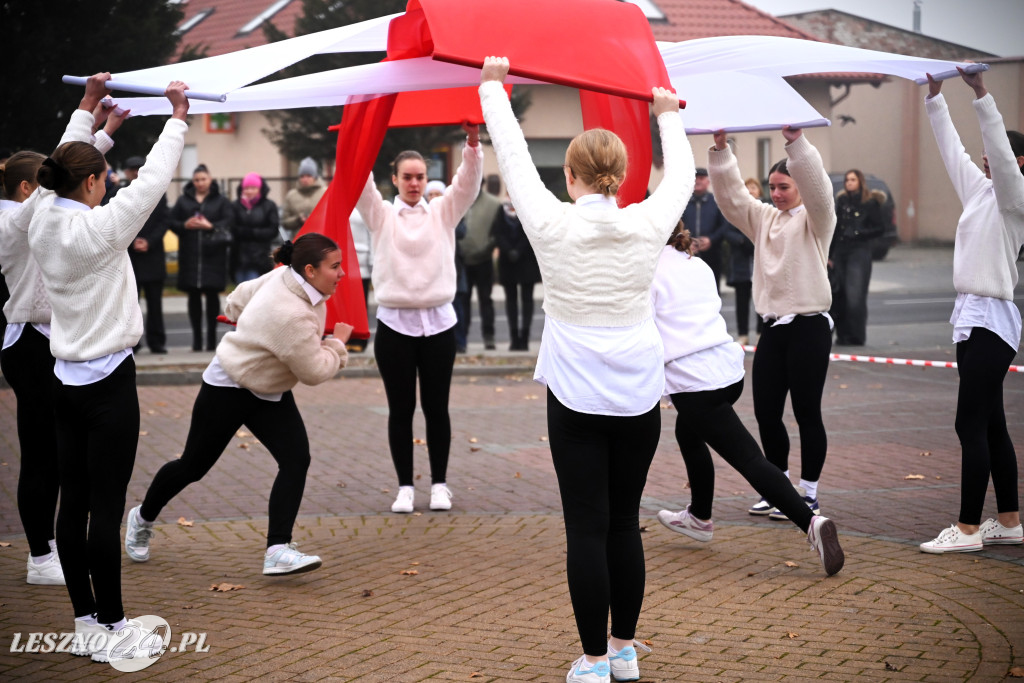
790,251
277,341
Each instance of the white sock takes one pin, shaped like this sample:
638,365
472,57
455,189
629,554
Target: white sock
89,619
53,545
42,559
612,650
402,488
811,487
274,548
142,520
116,626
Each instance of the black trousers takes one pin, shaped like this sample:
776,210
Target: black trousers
519,330
707,418
987,452
480,276
601,463
195,317
852,263
156,335
217,414
28,368
400,358
793,360
97,436
743,292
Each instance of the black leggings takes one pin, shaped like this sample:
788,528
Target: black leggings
97,436
28,368
743,292
982,362
216,416
601,463
793,359
707,418
400,358
195,317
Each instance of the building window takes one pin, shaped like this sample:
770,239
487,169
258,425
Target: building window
191,23
263,16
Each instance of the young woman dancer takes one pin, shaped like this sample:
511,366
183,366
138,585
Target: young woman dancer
986,322
26,361
414,282
704,376
278,342
600,356
82,252
791,294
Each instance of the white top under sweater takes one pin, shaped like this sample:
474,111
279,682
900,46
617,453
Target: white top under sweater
83,258
600,351
28,302
597,263
790,247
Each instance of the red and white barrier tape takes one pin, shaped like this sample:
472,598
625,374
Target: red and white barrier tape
898,361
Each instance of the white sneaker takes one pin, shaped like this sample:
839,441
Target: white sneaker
762,508
994,533
89,638
404,501
952,540
137,536
102,655
48,573
582,672
289,560
684,523
623,664
824,540
440,497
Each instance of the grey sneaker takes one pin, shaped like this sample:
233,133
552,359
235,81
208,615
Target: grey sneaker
137,537
684,523
289,560
824,539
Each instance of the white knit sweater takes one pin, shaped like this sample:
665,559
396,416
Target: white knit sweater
28,302
597,264
687,307
277,341
83,257
991,228
790,251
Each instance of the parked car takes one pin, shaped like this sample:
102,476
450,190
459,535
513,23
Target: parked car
880,245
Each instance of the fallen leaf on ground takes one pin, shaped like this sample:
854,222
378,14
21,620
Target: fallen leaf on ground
342,484
143,433
844,386
409,572
474,449
518,476
938,477
890,667
418,477
4,544
791,564
914,476
385,490
415,564
160,404
926,453
417,514
543,438
476,675
242,434
225,587
184,522
150,412
1016,672
419,442
473,439
643,529
648,643
790,634
367,594
686,486
244,446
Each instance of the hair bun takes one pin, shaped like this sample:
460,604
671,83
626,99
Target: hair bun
60,174
284,253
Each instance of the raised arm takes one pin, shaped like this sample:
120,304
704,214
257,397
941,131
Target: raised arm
371,205
808,172
672,194
967,178
1007,179
465,186
534,203
744,212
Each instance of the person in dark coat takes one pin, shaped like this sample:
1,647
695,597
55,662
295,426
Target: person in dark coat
706,223
518,272
148,263
254,230
202,220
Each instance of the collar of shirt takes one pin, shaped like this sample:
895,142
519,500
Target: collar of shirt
401,205
71,204
314,294
597,200
7,204
796,209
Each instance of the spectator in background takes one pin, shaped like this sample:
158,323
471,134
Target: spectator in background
364,252
477,249
301,200
436,188
706,223
859,220
147,256
254,229
741,269
202,219
518,272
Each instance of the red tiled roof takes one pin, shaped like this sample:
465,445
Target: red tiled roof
692,19
219,31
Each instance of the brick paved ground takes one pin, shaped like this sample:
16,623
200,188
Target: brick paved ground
490,597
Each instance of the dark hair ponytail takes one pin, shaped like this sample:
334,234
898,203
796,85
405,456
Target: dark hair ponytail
308,249
19,167
65,169
680,239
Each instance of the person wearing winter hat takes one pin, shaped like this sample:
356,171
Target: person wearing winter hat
254,228
301,200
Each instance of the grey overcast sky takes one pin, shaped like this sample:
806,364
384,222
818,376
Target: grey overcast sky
995,26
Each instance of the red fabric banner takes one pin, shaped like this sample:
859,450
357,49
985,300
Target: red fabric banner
630,120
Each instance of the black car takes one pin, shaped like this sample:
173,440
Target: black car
880,245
